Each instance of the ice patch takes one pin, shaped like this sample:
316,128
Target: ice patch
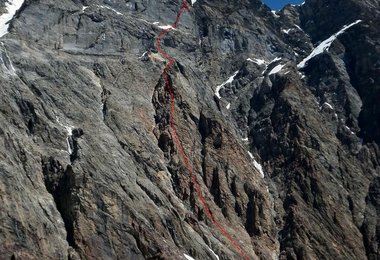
325,45
11,8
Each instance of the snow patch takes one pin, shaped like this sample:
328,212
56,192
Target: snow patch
218,88
327,105
301,4
302,76
5,60
274,60
299,28
166,27
325,45
228,106
286,31
274,14
11,8
257,165
69,130
257,61
276,69
212,251
193,2
84,8
143,55
69,150
259,168
109,8
188,257
348,129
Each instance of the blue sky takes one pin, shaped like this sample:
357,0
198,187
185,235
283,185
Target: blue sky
278,4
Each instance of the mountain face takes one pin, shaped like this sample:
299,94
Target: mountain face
278,115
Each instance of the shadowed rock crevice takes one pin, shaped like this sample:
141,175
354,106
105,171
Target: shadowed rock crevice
104,98
30,117
74,143
370,227
60,183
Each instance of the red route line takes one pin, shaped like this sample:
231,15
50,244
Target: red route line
185,7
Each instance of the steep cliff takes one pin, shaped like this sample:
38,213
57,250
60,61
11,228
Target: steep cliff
277,113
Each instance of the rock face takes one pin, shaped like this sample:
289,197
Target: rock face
286,152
